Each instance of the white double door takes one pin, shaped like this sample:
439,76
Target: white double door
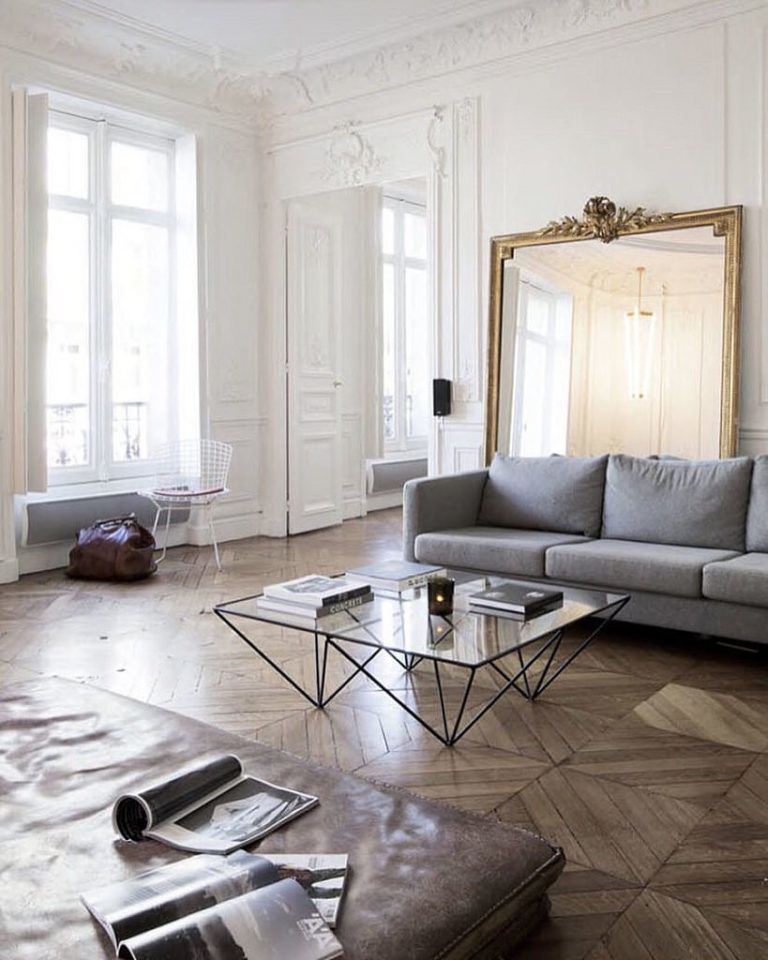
332,383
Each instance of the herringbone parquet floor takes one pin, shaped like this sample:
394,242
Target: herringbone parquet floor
647,760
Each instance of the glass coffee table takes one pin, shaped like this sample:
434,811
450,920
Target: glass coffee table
523,654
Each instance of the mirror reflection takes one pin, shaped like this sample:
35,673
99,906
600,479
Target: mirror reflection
614,347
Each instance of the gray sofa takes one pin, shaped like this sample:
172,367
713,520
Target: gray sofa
687,539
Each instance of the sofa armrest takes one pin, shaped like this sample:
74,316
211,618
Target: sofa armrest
440,503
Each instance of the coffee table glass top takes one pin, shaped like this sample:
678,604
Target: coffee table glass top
465,637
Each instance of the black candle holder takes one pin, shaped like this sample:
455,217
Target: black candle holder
440,596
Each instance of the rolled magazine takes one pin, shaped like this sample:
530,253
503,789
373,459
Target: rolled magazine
204,906
212,808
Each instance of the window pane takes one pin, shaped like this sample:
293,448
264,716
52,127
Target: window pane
415,236
416,353
388,317
67,163
139,336
387,230
537,315
139,176
67,361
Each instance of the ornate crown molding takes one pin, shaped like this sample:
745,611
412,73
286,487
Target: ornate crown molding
75,33
519,28
82,37
603,220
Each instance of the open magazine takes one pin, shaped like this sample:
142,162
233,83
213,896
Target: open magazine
209,903
213,808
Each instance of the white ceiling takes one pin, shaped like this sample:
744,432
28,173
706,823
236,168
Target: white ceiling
272,33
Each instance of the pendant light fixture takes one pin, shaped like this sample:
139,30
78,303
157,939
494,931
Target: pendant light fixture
639,332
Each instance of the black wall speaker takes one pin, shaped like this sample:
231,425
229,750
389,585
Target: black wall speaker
441,398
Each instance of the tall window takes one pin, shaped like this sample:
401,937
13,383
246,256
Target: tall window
111,356
542,372
404,312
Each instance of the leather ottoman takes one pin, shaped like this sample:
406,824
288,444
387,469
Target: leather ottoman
427,881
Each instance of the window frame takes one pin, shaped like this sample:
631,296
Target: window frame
102,212
401,442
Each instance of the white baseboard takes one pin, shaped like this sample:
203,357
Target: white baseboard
384,501
9,571
274,526
227,528
354,507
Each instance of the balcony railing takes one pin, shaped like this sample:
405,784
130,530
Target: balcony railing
69,433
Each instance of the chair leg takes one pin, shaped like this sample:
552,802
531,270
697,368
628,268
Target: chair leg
165,538
212,529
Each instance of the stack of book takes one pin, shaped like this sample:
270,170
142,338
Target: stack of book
395,576
314,597
517,601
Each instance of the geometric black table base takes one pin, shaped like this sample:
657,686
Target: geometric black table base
523,678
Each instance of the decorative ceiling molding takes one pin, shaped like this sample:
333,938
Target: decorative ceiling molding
82,38
79,34
495,36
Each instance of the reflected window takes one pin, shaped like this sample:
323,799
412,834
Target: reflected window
111,366
542,380
405,340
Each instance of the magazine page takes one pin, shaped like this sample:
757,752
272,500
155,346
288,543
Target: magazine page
164,894
233,817
323,876
278,922
134,814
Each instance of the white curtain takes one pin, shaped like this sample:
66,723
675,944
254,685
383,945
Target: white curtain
30,229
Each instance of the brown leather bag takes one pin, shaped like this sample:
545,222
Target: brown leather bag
116,549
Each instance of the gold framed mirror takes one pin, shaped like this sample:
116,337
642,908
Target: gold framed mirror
616,332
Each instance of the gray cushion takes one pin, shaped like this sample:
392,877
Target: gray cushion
757,517
698,503
490,548
741,580
625,564
545,493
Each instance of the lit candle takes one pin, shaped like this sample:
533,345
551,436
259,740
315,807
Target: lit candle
440,595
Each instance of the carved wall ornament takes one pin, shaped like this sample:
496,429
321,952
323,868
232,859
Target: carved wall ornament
602,220
436,150
350,159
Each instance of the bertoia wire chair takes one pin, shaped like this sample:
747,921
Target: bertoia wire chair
189,473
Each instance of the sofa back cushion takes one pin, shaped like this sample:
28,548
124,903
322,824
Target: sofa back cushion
562,494
694,503
757,516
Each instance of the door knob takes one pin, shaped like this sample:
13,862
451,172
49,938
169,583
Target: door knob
337,383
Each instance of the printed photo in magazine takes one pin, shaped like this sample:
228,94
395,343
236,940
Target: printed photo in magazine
164,894
277,922
213,808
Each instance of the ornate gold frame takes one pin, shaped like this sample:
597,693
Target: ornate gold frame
603,220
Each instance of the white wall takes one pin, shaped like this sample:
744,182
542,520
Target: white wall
515,120
668,114
230,321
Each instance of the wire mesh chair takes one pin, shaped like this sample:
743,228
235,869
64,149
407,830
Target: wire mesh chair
189,473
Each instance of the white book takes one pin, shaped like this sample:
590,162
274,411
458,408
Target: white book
396,575
315,590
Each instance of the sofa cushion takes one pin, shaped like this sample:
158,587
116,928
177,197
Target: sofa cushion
545,493
491,548
741,580
697,503
757,516
628,565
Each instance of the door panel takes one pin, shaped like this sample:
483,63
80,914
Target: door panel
314,311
